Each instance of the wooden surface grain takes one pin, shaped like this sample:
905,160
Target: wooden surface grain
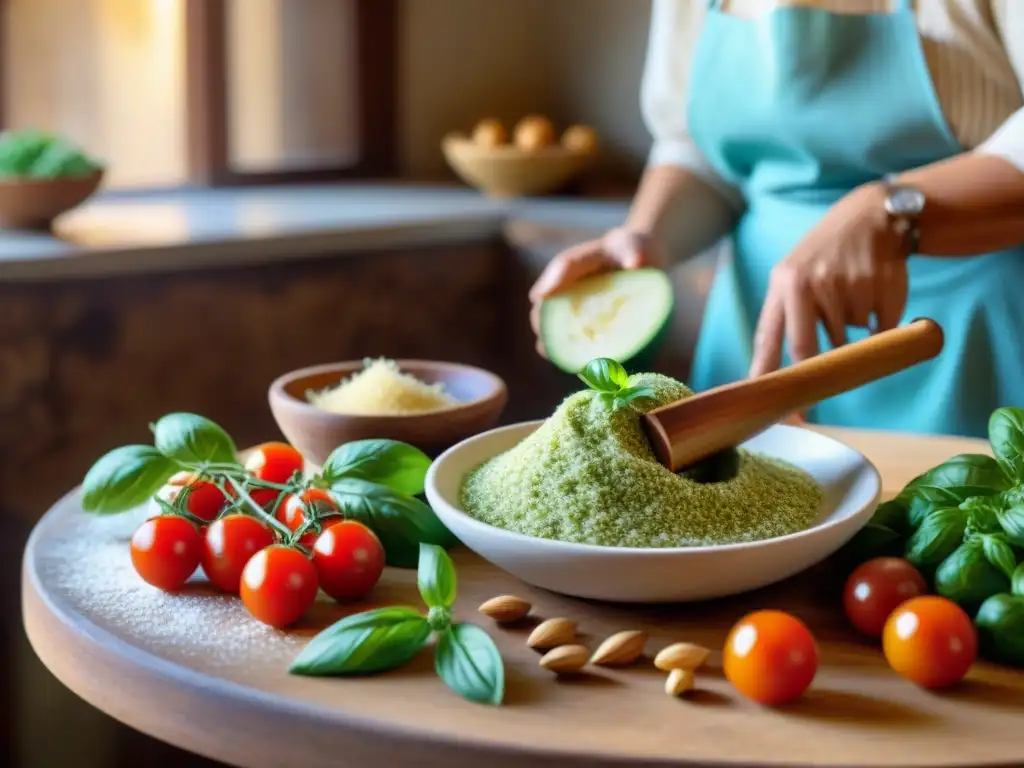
243,708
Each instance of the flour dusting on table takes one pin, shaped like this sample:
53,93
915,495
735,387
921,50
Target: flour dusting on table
88,561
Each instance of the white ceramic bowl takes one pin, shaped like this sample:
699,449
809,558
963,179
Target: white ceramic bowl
852,489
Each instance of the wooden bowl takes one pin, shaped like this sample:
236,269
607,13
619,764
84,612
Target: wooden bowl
316,432
508,171
34,203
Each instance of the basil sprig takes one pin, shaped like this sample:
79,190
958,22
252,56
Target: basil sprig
465,657
609,379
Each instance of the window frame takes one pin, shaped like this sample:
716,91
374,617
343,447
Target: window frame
207,99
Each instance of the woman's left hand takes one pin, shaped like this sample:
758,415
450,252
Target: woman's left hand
851,266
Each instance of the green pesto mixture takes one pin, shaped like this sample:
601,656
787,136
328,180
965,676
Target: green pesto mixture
587,475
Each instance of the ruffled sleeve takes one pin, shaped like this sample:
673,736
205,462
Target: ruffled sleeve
674,29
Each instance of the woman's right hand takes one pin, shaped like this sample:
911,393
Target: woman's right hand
619,248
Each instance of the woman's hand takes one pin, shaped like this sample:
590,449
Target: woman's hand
620,248
849,267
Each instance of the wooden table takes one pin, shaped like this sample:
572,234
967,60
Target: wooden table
196,671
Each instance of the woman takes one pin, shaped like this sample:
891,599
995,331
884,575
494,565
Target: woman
867,159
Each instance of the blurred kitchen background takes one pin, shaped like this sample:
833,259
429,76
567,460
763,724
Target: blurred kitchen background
276,196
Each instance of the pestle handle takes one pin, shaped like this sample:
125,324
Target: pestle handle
696,427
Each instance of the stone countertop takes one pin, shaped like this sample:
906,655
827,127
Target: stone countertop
191,229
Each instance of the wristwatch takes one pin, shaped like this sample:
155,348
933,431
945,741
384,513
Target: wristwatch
904,205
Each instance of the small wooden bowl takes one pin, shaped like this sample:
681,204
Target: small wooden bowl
34,203
508,171
316,432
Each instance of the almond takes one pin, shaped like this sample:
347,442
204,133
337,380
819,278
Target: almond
565,658
552,633
620,649
681,656
678,682
505,608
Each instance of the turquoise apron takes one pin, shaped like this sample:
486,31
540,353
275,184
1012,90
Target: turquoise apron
797,108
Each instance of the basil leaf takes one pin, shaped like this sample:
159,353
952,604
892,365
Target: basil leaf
1006,434
967,577
871,541
1017,582
399,466
1000,625
124,478
364,643
193,439
436,577
401,523
604,375
469,663
999,553
937,538
982,514
895,515
1012,522
956,480
919,509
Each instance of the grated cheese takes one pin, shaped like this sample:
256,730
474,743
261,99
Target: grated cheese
381,389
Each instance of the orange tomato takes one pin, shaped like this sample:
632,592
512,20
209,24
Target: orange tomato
930,641
770,657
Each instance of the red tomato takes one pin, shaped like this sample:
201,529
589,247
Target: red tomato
166,550
278,585
930,641
275,463
228,545
292,512
349,560
876,588
205,500
770,657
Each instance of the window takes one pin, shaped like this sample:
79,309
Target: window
217,92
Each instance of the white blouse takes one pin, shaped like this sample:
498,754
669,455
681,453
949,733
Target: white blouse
974,50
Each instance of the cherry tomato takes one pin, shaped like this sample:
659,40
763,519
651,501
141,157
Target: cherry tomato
227,546
275,463
770,657
292,512
166,550
205,500
278,585
930,641
876,588
349,560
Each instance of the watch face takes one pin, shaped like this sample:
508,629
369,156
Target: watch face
905,201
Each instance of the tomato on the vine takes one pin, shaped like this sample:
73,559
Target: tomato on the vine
166,550
278,585
227,546
349,560
292,512
273,462
930,641
876,588
770,657
204,500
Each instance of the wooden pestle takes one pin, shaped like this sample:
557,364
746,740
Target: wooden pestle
686,431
